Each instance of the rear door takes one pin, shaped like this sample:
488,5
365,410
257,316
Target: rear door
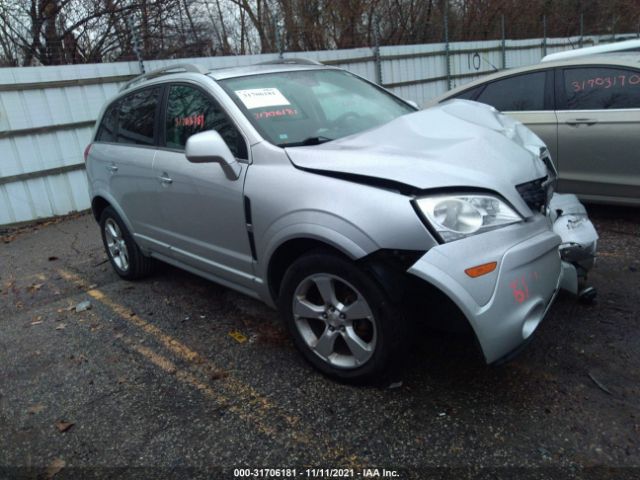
125,148
203,213
528,97
599,132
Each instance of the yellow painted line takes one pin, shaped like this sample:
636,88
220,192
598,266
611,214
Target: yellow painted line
255,408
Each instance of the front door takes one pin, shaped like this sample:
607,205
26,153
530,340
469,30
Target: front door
202,210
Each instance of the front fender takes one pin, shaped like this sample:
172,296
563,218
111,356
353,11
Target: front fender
317,225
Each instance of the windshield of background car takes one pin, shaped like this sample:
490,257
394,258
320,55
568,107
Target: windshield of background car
312,106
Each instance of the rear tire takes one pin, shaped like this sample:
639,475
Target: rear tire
124,254
341,319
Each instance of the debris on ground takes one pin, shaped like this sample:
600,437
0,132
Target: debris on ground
600,385
54,468
35,287
82,306
35,409
238,336
63,426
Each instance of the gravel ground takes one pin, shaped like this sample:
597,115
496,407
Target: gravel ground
176,377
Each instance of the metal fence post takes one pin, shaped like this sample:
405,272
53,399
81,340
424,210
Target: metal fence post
279,42
580,42
136,43
447,50
613,28
504,43
376,52
544,35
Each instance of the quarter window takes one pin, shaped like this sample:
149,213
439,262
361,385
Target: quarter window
470,94
137,117
108,127
601,88
190,111
518,93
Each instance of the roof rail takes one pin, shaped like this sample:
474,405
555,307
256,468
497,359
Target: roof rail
291,61
180,67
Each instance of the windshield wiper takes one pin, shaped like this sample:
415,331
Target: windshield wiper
307,141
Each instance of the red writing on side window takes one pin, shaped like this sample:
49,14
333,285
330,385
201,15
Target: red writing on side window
606,82
283,112
194,120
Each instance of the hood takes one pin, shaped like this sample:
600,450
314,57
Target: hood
456,144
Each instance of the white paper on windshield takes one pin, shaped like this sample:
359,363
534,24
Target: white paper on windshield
262,97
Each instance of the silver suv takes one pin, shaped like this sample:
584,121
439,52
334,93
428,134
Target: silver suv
331,198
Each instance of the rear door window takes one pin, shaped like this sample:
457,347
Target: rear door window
191,111
598,88
517,93
137,117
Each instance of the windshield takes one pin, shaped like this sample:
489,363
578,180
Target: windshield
312,106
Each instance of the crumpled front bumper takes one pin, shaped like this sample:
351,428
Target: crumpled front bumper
505,306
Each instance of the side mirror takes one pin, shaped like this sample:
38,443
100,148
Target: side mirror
208,147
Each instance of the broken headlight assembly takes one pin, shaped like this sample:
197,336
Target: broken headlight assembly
461,215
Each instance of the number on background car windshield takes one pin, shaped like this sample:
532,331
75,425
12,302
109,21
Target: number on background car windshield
601,88
309,107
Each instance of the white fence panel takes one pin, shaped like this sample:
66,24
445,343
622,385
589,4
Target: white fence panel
47,113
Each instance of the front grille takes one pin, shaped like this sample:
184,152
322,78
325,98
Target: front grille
534,194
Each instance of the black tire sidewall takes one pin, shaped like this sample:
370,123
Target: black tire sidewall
132,247
388,321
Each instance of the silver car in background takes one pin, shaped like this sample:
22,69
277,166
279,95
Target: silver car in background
585,109
325,195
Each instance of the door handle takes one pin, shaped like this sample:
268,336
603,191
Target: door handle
112,168
582,121
165,179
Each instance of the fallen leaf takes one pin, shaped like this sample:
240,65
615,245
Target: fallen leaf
35,287
61,326
54,467
63,426
34,409
238,336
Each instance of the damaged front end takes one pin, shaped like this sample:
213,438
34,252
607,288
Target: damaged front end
579,243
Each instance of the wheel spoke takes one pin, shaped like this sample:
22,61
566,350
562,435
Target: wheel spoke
124,257
112,231
305,309
324,345
326,289
358,347
357,310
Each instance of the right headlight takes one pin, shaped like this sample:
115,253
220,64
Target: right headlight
458,216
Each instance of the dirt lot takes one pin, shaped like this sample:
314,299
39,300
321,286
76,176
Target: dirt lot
176,377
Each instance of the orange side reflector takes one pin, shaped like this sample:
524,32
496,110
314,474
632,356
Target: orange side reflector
480,270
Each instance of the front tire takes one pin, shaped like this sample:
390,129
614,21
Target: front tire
124,254
340,318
